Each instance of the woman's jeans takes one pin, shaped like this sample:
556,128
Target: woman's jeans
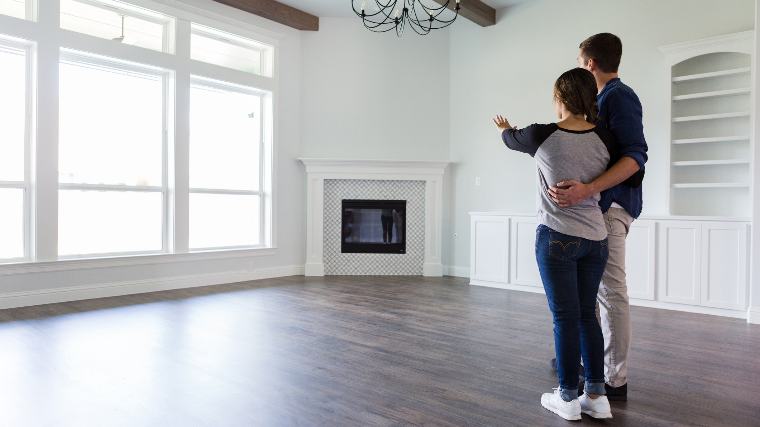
571,269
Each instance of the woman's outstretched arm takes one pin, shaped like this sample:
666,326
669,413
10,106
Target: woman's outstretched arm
526,140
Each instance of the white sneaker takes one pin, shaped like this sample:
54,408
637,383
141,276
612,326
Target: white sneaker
570,411
596,408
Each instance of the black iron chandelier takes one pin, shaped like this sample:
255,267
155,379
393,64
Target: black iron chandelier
422,15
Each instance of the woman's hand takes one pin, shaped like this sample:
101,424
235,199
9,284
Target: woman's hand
502,123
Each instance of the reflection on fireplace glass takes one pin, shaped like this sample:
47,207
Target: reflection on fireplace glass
374,226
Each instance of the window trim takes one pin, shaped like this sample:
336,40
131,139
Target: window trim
71,57
28,49
266,51
168,22
264,209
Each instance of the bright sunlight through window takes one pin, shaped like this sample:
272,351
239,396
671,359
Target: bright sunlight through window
111,159
225,151
14,8
12,146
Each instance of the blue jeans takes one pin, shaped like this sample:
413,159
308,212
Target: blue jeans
571,269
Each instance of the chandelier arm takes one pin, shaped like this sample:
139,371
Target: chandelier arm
443,9
377,24
381,7
416,23
433,8
431,25
419,28
439,24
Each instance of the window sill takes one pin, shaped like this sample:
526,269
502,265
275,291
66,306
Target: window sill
23,267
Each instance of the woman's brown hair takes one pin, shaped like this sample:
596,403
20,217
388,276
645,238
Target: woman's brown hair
576,89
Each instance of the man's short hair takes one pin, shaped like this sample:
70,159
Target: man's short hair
605,49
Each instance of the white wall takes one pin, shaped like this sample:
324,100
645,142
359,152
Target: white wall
45,283
510,69
374,96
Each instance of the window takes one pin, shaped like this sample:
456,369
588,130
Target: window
16,8
14,189
111,157
231,51
225,166
118,21
97,155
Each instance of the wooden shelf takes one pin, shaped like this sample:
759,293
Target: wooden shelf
710,117
713,94
711,185
710,162
722,73
737,138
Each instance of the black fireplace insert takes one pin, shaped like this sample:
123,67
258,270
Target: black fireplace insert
373,226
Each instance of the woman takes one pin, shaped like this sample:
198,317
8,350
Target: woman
571,243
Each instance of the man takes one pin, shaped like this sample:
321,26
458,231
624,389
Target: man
619,111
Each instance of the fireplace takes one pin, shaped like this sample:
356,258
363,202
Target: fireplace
373,226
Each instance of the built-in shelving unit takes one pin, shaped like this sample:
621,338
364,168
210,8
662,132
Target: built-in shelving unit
710,113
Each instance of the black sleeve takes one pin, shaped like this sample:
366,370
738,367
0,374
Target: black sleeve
527,140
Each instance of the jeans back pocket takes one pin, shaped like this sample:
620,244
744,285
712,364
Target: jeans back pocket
564,247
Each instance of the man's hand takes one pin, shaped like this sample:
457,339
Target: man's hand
502,123
570,193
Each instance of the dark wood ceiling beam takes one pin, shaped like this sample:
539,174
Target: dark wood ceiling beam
278,12
474,10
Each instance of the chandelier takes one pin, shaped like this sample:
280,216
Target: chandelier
422,15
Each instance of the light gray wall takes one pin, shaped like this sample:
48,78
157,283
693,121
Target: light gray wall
510,69
374,96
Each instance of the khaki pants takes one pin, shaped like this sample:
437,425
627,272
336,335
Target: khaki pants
614,311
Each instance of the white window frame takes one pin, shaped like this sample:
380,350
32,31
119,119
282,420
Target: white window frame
28,48
167,44
77,58
42,31
261,192
265,67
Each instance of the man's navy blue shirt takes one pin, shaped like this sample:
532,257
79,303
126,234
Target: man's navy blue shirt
620,112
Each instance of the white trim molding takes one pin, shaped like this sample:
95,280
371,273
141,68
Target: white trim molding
457,271
318,170
753,315
112,289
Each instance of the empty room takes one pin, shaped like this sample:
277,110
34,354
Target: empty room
379,213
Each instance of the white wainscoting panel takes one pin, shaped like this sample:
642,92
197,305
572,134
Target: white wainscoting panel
640,260
724,264
524,269
679,264
489,248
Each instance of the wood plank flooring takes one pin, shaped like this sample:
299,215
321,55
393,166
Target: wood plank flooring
349,351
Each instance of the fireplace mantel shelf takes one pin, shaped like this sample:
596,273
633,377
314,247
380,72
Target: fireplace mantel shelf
319,170
366,165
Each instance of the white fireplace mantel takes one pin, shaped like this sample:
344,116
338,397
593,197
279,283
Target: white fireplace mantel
318,170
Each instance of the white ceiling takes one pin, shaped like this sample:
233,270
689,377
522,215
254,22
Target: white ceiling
335,8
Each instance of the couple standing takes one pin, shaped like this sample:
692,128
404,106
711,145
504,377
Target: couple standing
590,167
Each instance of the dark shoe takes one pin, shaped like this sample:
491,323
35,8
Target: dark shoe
553,363
617,394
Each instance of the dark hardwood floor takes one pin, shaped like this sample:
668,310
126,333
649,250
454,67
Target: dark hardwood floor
337,351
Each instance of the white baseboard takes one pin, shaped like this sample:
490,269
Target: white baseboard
314,269
456,271
74,293
432,269
739,314
753,315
